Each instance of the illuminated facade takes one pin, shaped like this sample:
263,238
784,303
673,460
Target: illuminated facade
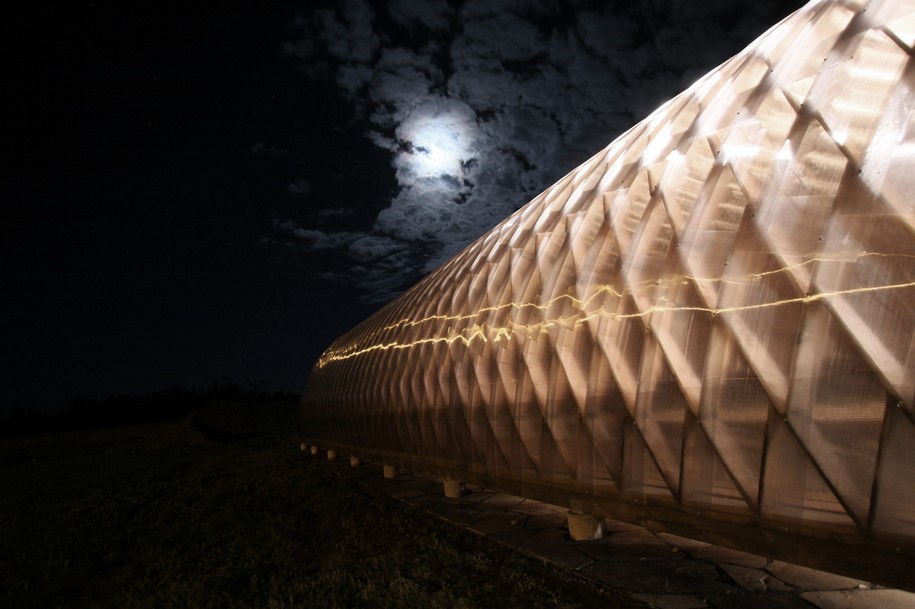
707,327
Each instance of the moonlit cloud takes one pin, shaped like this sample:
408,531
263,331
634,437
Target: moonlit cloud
483,104
436,144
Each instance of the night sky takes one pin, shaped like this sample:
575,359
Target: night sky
215,193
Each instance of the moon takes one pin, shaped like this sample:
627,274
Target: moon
437,141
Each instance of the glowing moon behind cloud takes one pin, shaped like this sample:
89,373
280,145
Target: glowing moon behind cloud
437,142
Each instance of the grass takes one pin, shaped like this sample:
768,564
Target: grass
164,516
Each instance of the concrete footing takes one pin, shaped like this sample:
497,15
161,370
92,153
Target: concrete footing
314,449
390,472
354,461
585,527
331,454
453,488
303,446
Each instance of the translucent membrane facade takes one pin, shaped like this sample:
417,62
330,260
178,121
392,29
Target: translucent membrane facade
706,328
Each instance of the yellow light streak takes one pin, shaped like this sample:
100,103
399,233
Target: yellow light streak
766,305
583,311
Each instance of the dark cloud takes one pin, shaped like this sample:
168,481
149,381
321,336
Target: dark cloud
315,239
371,248
262,149
482,104
298,187
334,212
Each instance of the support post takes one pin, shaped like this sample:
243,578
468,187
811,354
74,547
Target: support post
585,527
314,449
354,461
331,454
390,472
453,488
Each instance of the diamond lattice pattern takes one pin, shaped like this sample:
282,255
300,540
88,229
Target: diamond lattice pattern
714,314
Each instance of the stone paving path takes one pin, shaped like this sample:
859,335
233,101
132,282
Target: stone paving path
662,571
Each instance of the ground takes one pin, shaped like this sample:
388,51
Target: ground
220,509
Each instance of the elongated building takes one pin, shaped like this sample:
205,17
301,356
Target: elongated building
706,328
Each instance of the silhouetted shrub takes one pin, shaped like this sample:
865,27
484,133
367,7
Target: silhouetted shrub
170,404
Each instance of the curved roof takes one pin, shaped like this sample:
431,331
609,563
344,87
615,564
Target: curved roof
708,322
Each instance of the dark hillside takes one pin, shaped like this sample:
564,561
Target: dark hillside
220,509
